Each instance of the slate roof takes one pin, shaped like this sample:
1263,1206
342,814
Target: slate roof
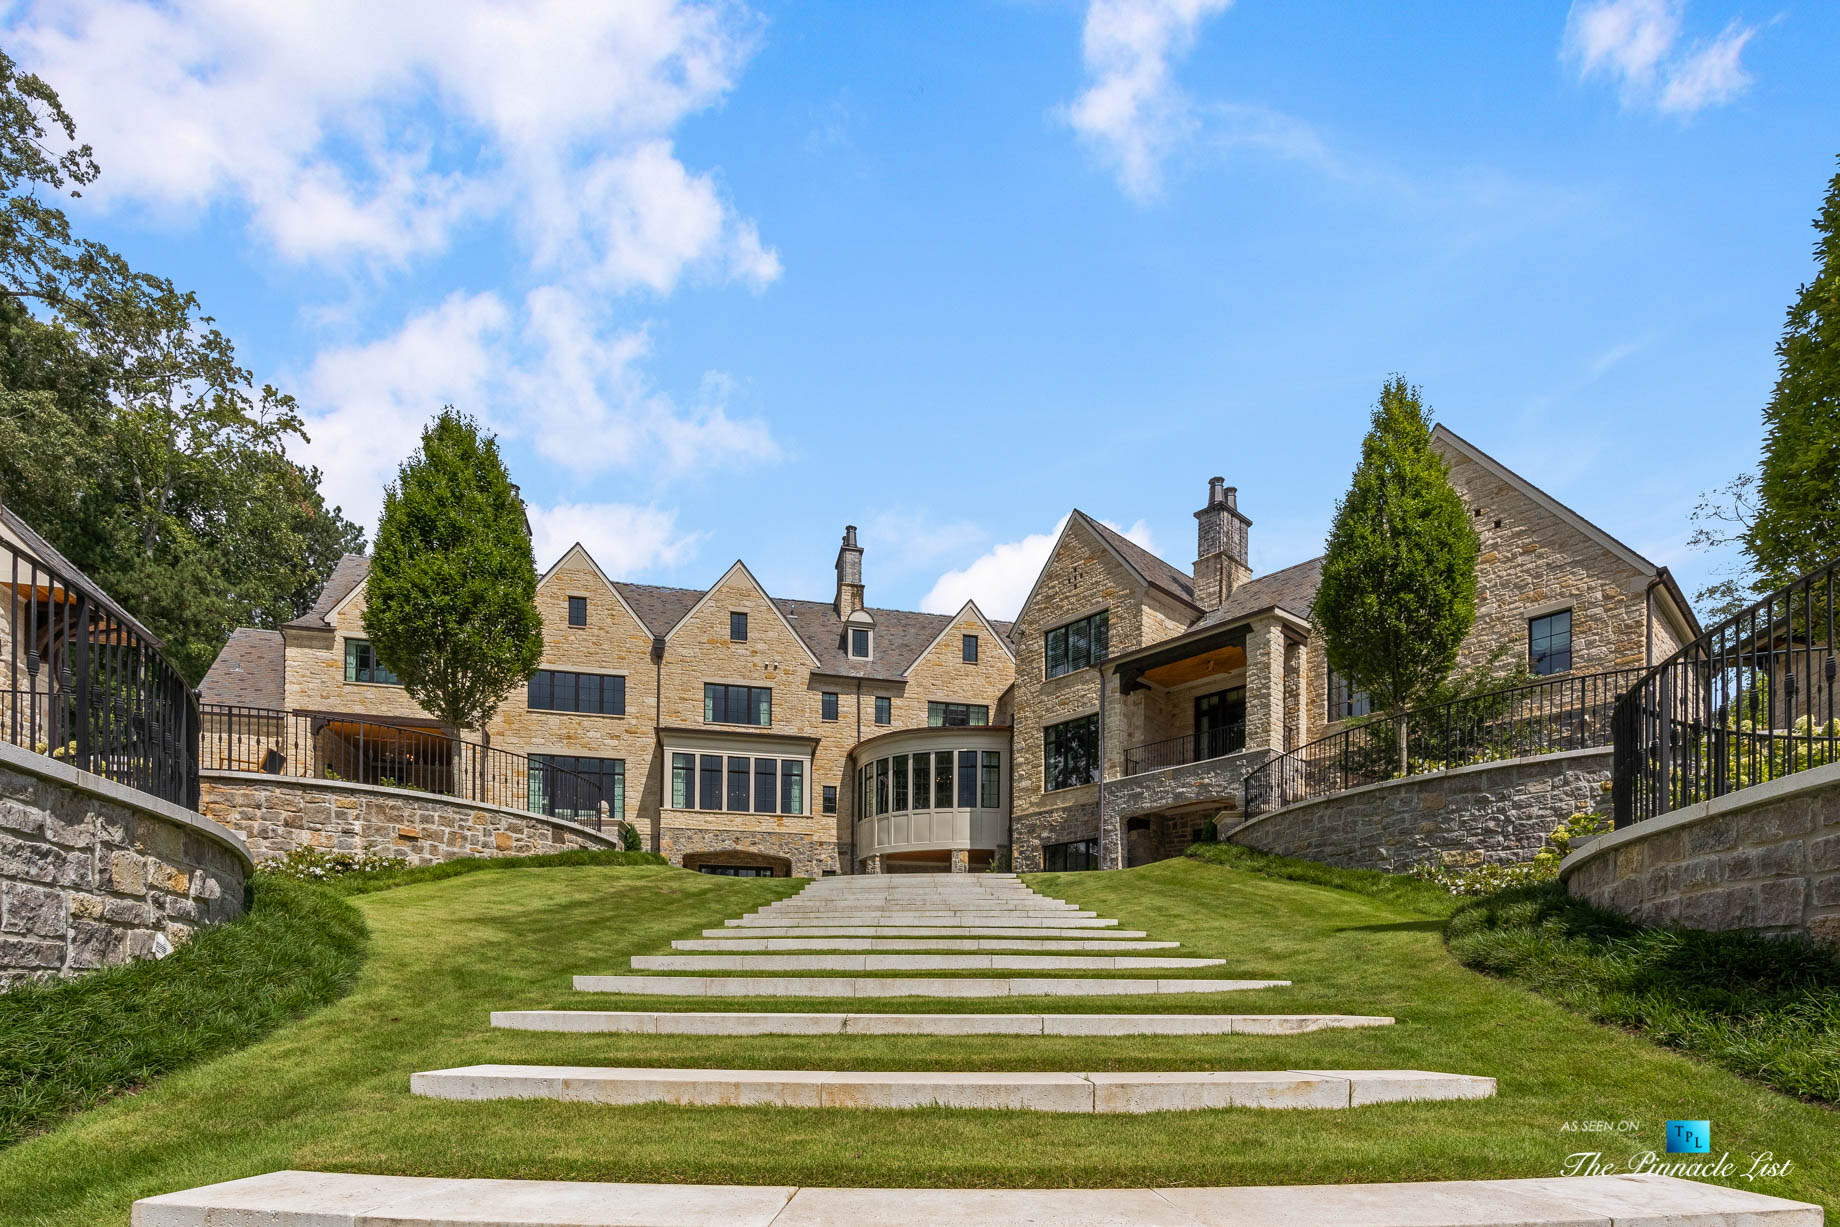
1293,590
46,553
348,574
1153,570
249,672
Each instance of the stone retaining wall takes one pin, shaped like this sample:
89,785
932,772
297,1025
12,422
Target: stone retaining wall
1766,858
744,847
94,873
277,814
1491,812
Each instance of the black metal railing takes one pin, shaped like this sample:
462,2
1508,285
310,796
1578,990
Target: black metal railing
1751,700
85,685
415,758
1193,748
1563,713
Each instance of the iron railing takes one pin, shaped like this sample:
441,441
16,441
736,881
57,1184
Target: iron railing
1193,748
1751,700
85,685
416,758
1563,713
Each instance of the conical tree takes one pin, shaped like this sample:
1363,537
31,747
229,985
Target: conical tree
450,606
1797,528
1398,589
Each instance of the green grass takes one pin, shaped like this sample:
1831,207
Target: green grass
1401,890
330,1091
370,881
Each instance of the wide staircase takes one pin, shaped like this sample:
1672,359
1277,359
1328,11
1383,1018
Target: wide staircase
935,939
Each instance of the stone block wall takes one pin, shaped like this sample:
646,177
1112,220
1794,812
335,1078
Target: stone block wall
93,873
1498,813
788,853
276,814
1765,858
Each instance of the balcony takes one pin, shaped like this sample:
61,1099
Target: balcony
1180,751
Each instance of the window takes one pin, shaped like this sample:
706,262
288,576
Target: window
859,642
792,789
968,649
881,786
595,693
956,715
827,705
1080,854
362,665
736,871
1079,644
571,788
737,627
738,785
1070,753
1549,643
942,780
683,781
897,775
993,769
967,779
578,611
737,704
766,785
1345,702
884,709
711,774
1220,723
923,775
830,798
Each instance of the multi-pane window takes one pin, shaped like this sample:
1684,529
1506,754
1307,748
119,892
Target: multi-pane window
1080,854
778,785
897,776
1070,753
827,705
859,642
956,715
594,693
923,774
830,798
1345,702
737,704
792,787
709,775
766,785
884,709
967,779
568,787
683,781
736,871
737,627
1079,644
942,780
738,785
993,774
968,649
362,665
578,611
1549,643
881,786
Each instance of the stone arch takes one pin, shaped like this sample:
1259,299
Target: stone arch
736,859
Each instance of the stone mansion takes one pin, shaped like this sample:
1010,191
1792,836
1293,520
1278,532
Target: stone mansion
1112,721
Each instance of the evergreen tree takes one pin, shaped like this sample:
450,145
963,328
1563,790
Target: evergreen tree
1797,525
450,606
1398,589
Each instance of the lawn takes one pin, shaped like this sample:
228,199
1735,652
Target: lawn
331,1091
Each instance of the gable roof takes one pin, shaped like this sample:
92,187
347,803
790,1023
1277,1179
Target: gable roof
36,546
1149,568
758,587
249,672
579,548
344,580
1001,636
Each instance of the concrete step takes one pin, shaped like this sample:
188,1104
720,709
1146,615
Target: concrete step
654,1023
921,909
759,931
915,962
338,1199
908,944
907,919
1096,1093
915,986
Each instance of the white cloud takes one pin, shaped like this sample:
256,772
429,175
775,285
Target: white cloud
905,541
1131,113
357,129
999,580
1636,43
623,538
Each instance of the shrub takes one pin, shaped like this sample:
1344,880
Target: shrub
310,864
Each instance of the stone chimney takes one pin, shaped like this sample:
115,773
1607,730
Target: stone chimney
1221,562
849,574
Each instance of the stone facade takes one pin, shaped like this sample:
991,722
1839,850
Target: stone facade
1496,813
276,814
92,873
1767,857
1187,801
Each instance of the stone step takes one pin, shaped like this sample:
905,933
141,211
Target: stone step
925,921
921,909
916,962
670,1023
759,931
908,944
338,1199
1094,1093
915,986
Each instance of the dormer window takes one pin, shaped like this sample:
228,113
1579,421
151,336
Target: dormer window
859,642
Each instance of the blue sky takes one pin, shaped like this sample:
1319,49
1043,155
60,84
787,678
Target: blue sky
726,277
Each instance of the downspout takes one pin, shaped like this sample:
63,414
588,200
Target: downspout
658,723
1102,840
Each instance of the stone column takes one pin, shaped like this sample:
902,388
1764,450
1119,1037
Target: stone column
872,864
1265,686
961,860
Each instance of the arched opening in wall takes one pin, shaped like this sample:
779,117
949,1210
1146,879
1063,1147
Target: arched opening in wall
1139,842
733,863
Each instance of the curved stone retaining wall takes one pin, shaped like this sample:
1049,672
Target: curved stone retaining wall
278,813
1765,858
1498,812
93,873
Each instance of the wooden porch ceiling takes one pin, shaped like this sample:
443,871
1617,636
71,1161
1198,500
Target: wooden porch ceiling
1207,664
1216,651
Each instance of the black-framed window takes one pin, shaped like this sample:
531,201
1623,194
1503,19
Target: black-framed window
766,785
683,781
1345,702
1080,644
967,649
1070,753
881,786
1079,854
830,798
957,715
739,769
827,705
737,626
736,871
942,779
578,611
884,709
737,704
1549,643
709,774
571,787
923,775
967,779
596,694
897,782
792,787
362,665
859,642
993,780
1220,723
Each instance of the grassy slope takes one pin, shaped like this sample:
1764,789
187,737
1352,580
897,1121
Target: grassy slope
331,1091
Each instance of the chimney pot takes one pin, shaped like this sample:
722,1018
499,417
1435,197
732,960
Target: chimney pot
849,535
